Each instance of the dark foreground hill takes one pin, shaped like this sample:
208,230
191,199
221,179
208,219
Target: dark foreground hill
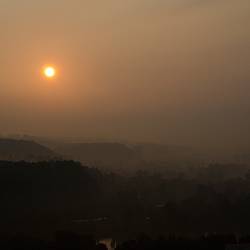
58,195
22,150
34,193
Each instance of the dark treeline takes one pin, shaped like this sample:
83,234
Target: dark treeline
61,240
67,240
206,242
64,195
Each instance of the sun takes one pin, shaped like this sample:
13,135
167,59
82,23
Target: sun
49,72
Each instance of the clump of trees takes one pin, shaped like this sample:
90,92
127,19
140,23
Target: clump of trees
47,196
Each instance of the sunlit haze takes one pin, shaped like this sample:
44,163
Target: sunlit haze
144,70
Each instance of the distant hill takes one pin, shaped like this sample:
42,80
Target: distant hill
150,152
100,154
22,150
123,157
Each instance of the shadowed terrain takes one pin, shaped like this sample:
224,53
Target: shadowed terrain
23,150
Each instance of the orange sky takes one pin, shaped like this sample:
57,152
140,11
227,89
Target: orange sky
160,70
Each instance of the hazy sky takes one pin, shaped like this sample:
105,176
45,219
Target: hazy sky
175,71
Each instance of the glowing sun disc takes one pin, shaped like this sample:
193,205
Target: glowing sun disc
49,72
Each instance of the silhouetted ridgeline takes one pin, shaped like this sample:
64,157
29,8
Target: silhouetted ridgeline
124,158
112,156
56,195
165,159
23,150
168,160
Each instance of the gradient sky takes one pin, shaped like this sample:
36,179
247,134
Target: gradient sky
174,71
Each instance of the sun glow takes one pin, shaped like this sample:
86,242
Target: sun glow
49,72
